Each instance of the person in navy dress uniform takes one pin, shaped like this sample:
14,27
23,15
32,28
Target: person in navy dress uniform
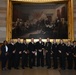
74,54
31,48
48,47
55,54
11,54
69,53
40,56
62,54
24,54
18,53
4,55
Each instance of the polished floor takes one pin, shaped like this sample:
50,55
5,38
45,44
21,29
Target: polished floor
38,71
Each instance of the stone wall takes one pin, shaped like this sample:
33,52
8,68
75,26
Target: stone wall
3,8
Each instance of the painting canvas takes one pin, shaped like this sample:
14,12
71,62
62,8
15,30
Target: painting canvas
40,20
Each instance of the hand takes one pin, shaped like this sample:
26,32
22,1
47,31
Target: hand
33,52
40,50
51,52
46,51
6,54
67,54
59,51
14,51
20,52
74,55
25,52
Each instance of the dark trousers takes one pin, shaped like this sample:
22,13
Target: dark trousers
31,60
4,61
62,60
17,60
24,60
55,61
70,62
40,59
10,61
13,60
48,60
74,62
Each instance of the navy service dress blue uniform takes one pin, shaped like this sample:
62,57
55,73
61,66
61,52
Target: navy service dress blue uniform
18,52
24,55
55,55
11,55
4,55
48,46
62,55
40,56
31,48
74,54
69,53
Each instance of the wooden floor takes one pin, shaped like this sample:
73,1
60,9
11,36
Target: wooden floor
38,71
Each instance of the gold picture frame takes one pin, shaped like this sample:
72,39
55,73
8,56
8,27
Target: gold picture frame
10,10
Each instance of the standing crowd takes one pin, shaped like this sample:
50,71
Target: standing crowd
38,54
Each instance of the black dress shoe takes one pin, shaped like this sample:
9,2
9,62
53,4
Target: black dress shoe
55,68
48,67
42,65
63,68
74,68
17,68
30,67
34,65
38,66
9,68
3,69
23,68
26,66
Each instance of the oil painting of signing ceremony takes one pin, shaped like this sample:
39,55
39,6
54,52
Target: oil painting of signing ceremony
39,21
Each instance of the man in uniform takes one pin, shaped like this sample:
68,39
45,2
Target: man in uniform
74,54
62,54
69,52
55,54
24,54
11,54
40,56
18,52
4,54
48,47
31,48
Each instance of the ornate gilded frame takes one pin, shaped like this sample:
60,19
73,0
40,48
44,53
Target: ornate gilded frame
9,16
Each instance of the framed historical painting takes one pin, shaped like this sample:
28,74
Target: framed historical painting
34,18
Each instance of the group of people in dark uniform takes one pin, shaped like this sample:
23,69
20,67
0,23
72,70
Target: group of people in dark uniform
51,54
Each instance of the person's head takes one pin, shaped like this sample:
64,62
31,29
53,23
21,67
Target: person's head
18,40
40,39
32,39
54,40
24,40
48,40
61,41
18,19
5,42
74,42
11,41
69,43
